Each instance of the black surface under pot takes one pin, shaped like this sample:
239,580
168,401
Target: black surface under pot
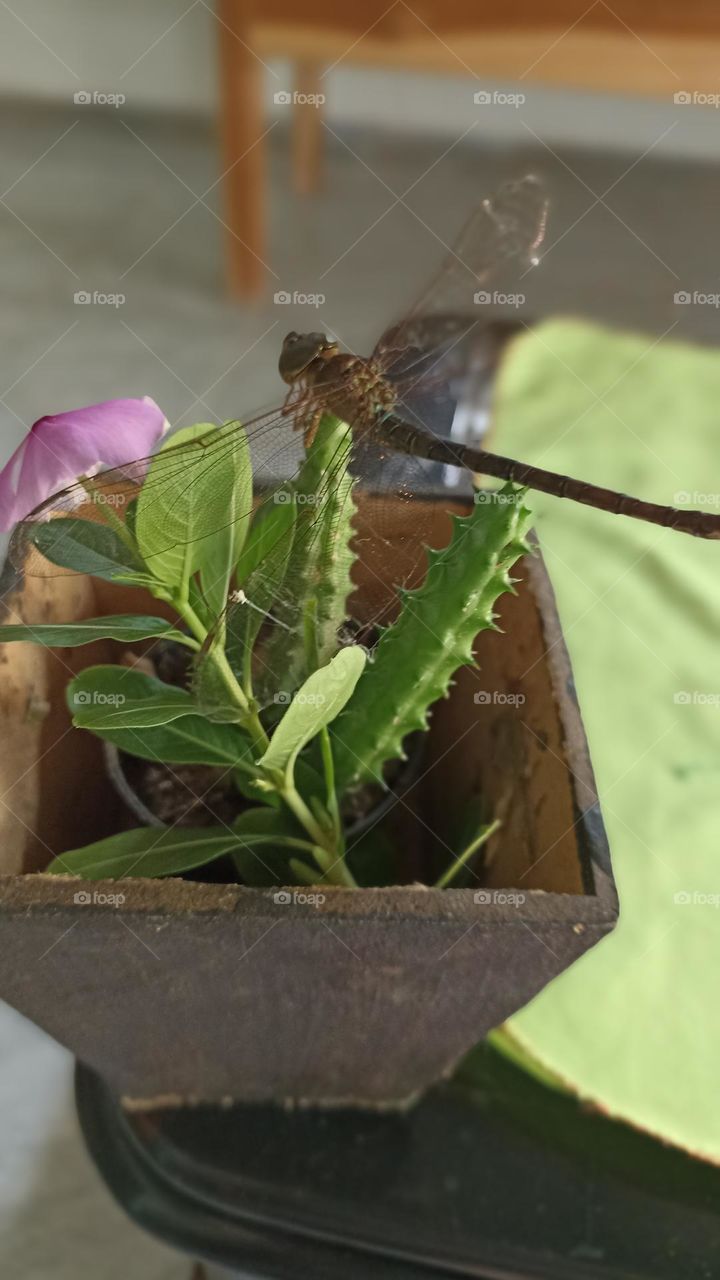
493,1177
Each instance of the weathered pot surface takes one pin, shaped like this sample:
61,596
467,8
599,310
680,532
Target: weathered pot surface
182,991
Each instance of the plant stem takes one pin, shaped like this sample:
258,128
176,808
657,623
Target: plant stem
331,863
312,661
305,875
250,718
451,871
331,799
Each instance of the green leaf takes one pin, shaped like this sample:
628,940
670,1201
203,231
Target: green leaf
416,658
185,511
85,546
126,627
318,701
146,852
189,740
263,854
269,547
159,710
220,552
109,697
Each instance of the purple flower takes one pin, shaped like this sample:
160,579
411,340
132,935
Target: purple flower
59,449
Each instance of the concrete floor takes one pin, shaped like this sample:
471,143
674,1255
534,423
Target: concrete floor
96,200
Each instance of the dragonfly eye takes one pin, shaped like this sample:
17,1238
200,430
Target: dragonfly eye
298,351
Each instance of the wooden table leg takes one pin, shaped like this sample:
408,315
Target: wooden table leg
243,158
307,141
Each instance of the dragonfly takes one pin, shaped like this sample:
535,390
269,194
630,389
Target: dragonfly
394,402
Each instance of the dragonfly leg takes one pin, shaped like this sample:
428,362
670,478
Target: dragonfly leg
310,424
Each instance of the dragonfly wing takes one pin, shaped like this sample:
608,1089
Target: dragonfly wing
496,247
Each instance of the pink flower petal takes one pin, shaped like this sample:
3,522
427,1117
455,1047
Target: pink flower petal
60,448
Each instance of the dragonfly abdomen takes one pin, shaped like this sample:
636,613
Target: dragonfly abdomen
405,438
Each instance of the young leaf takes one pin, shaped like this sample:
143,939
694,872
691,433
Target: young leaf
318,701
85,546
125,627
109,697
189,740
146,852
417,656
185,512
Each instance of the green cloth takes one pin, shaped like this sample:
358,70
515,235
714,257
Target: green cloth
635,1025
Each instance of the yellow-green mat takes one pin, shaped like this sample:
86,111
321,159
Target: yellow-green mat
635,1025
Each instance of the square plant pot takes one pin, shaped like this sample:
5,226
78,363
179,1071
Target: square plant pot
179,991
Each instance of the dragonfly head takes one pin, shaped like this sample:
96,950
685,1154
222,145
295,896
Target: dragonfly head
298,352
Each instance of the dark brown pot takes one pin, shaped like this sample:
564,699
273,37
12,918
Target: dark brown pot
186,991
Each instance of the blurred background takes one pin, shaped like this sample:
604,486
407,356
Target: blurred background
182,183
